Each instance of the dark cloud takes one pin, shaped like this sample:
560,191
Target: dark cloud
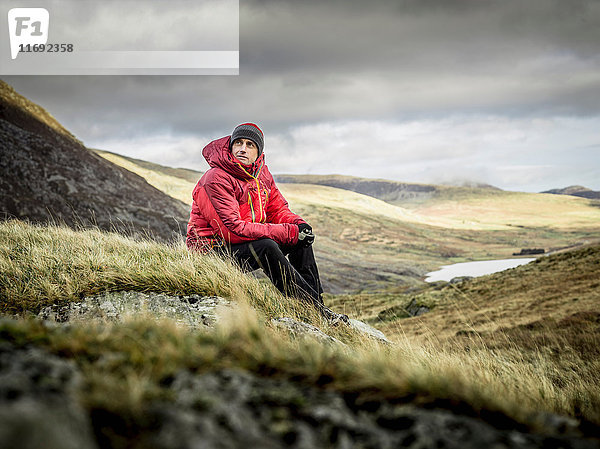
151,25
311,61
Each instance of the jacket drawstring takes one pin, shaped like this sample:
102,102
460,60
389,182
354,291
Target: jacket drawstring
263,215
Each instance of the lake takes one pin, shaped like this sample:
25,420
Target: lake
474,269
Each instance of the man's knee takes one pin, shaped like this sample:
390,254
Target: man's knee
266,246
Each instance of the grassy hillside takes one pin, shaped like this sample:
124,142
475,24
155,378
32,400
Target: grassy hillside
44,265
183,173
543,317
393,192
365,244
126,366
551,287
472,207
516,209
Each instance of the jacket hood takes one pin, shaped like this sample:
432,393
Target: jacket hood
217,154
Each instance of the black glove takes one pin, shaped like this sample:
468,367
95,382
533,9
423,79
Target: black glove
305,235
304,227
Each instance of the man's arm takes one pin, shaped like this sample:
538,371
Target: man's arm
224,217
278,210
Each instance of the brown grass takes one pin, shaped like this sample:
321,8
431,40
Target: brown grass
483,367
536,327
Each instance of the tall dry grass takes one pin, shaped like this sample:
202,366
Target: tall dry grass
535,330
125,364
41,265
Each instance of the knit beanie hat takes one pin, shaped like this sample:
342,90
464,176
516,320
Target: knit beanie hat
249,131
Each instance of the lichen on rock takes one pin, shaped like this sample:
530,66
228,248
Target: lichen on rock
194,310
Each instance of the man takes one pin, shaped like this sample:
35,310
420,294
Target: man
238,209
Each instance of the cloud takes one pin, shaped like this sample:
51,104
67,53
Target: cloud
521,154
410,89
159,25
164,149
305,62
515,154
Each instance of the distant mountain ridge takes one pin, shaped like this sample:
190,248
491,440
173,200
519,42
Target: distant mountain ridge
393,192
580,191
378,188
47,174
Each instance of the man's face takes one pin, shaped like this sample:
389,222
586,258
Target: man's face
244,150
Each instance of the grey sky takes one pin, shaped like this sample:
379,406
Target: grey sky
505,92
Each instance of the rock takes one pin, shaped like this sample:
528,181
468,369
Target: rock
194,310
238,409
415,309
302,330
530,252
37,402
48,175
459,279
369,331
298,329
393,313
234,409
559,424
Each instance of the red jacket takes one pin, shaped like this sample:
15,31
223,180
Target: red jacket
237,203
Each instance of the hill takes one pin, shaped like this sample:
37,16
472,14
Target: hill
47,174
366,244
183,173
549,307
393,192
580,191
550,288
382,189
148,382
475,207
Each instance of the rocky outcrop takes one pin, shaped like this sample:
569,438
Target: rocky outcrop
234,409
237,409
298,329
48,175
194,311
369,331
413,308
301,330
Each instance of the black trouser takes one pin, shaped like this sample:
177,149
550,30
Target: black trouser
298,276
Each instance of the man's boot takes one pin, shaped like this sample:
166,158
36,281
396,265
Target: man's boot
334,318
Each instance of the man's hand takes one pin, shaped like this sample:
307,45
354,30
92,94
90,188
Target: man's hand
305,235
